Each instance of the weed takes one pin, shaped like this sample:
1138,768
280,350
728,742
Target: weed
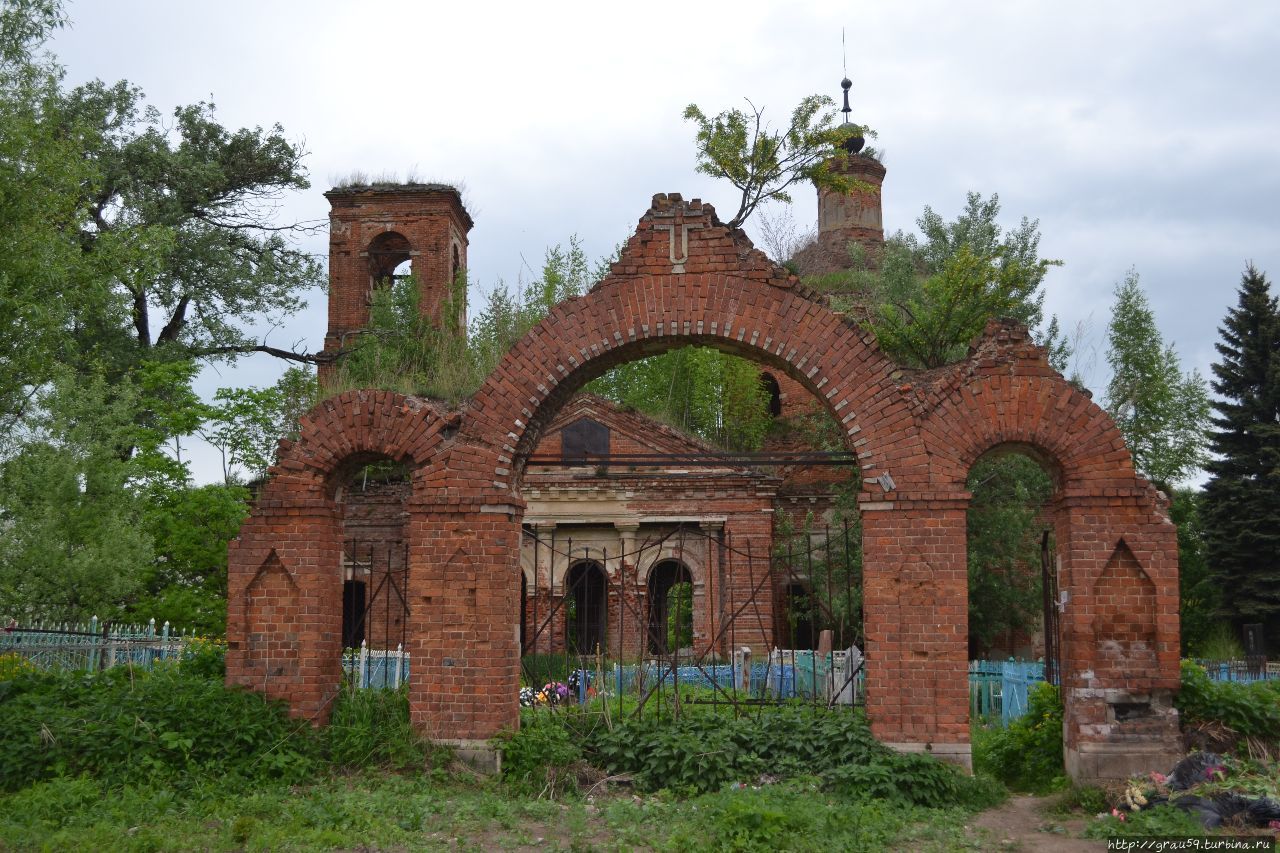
1249,710
1027,754
371,728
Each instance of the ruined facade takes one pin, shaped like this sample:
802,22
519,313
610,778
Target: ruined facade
470,496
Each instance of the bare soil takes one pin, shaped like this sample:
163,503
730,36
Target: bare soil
1023,823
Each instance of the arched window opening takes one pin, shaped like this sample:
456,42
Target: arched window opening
773,393
456,267
390,258
586,593
1010,554
670,607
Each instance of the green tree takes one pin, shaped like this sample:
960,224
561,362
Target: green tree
932,295
761,161
1199,593
131,246
72,541
1004,526
128,238
50,289
1241,504
246,424
701,391
1162,413
185,582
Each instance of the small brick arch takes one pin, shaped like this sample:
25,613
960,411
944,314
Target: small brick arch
294,535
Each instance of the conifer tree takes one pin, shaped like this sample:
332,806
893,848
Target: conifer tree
1242,497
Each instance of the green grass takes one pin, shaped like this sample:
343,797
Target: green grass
430,811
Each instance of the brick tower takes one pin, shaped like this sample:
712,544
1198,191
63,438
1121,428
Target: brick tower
373,231
845,218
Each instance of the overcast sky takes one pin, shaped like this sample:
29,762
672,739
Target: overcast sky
1141,135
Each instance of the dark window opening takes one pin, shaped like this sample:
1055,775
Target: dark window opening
773,392
587,591
353,613
799,609
584,439
524,610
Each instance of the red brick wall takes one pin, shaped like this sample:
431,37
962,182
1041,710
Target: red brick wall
430,217
916,435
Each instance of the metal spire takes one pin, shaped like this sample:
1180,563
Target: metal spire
846,83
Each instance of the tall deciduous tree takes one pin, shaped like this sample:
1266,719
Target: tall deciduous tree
1241,504
126,237
1162,413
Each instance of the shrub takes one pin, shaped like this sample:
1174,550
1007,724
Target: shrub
1162,821
531,756
1027,754
13,664
1250,710
697,754
204,658
127,725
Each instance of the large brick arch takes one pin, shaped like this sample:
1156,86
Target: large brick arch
1005,395
624,320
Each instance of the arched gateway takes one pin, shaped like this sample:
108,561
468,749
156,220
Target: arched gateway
684,278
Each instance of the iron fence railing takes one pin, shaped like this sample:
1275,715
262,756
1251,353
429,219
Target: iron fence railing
93,645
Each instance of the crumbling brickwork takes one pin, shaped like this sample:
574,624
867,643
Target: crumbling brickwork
373,230
684,278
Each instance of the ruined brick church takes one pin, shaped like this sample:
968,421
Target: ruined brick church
521,519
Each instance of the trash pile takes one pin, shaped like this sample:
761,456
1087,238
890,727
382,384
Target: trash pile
1213,810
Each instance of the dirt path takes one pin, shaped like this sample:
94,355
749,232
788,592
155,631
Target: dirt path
1022,824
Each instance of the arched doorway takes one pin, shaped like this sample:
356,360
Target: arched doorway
586,594
670,594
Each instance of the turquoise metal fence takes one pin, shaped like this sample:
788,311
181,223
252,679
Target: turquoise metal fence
1015,678
985,689
93,645
367,668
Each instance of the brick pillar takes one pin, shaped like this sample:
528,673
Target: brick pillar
915,614
1118,569
628,627
464,623
749,577
284,606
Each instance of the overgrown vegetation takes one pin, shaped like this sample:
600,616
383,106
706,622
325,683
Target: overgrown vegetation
706,749
144,761
1026,755
178,725
1250,712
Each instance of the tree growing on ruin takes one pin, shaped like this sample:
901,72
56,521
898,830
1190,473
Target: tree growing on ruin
763,161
